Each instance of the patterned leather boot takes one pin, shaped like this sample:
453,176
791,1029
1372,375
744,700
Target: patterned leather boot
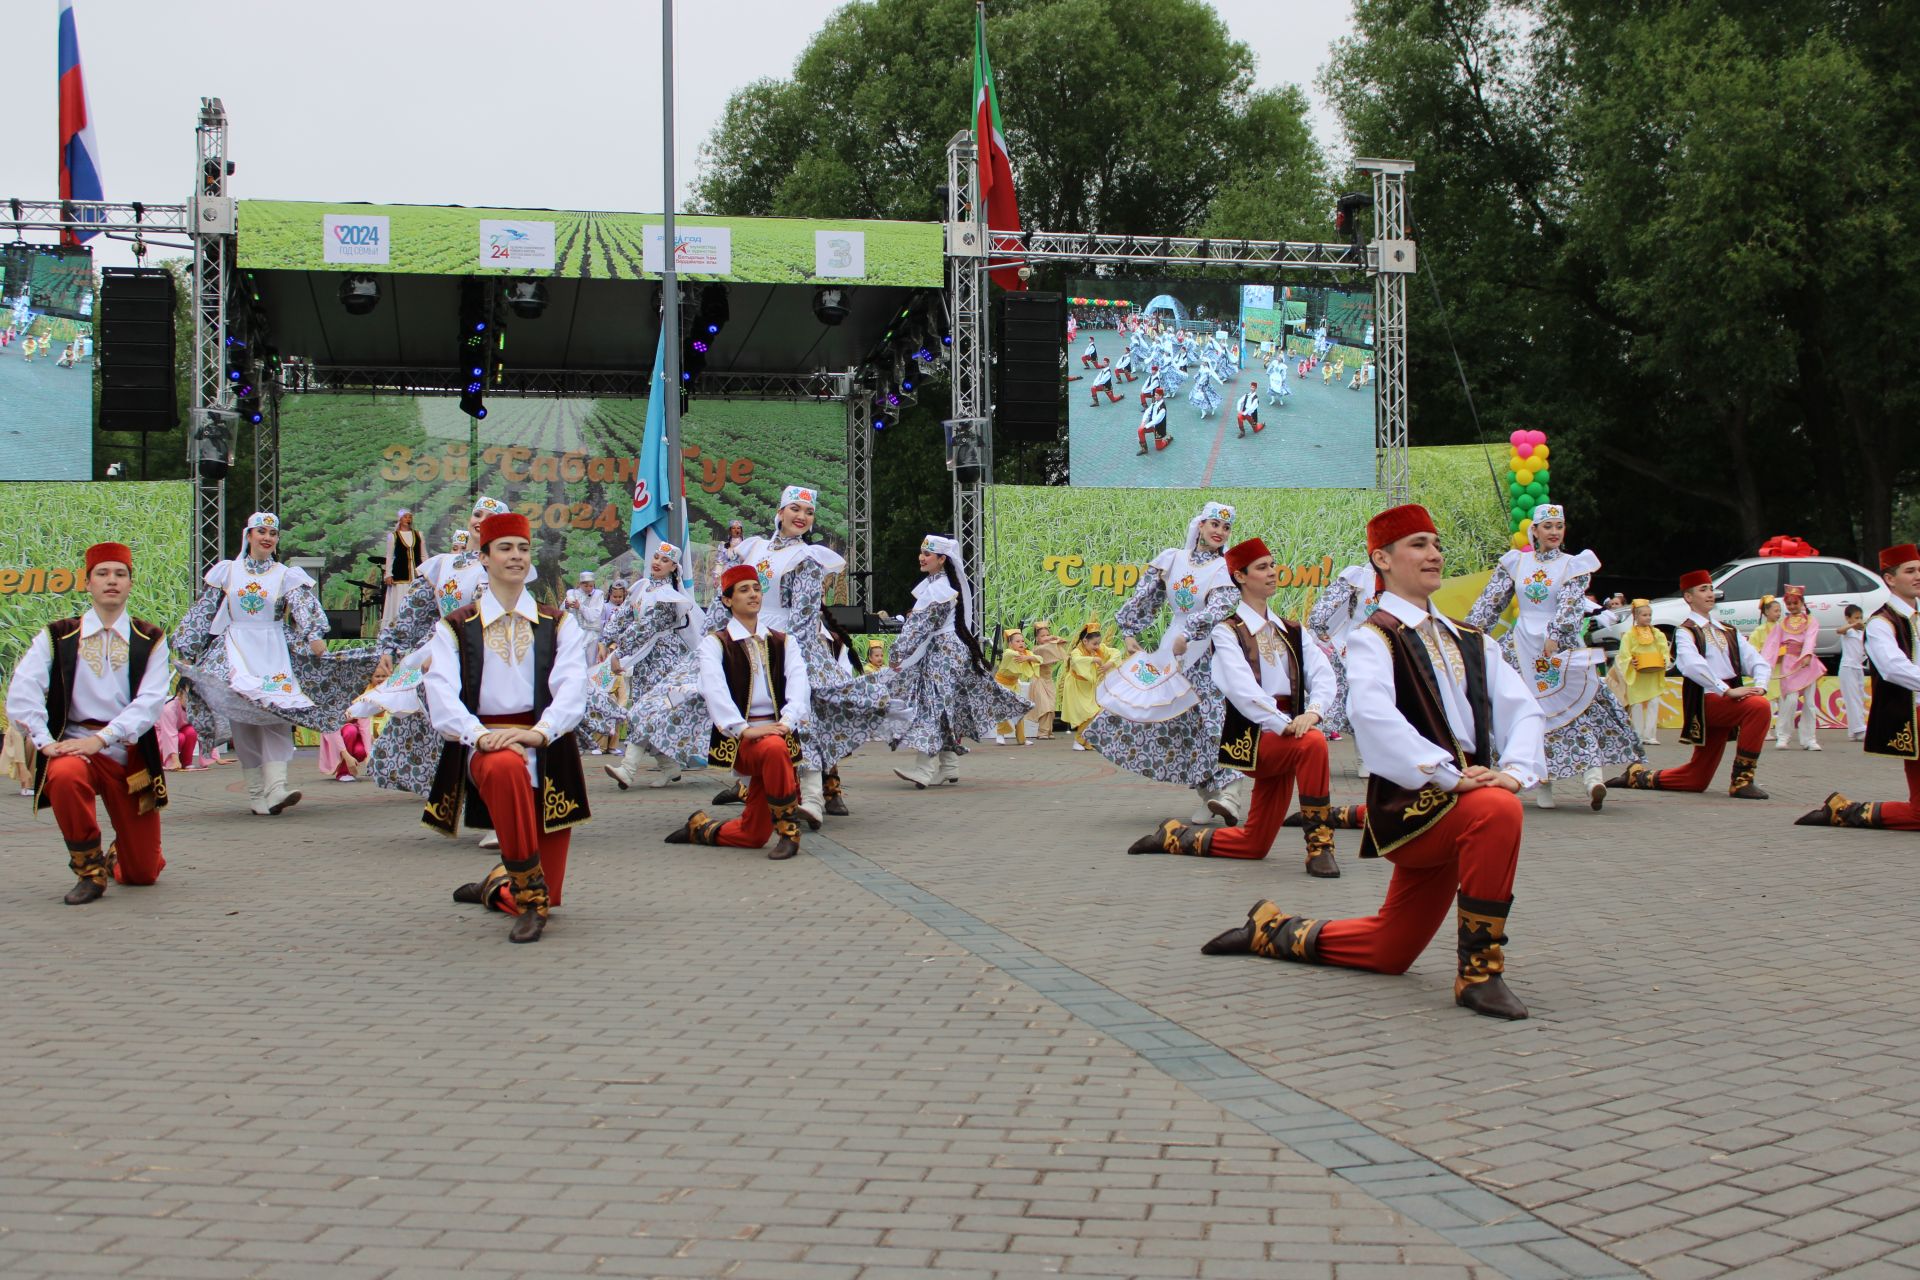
1744,767
528,884
1838,811
735,794
1637,778
1341,817
1480,985
1317,817
836,795
786,826
701,828
90,865
1175,836
1270,932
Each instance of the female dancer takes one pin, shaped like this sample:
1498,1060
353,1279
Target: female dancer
406,752
1642,665
1133,730
1586,727
1040,690
403,562
1087,664
941,686
650,635
253,652
1789,651
1206,395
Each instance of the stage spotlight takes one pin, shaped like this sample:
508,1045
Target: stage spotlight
714,308
475,319
830,306
1346,215
359,294
526,298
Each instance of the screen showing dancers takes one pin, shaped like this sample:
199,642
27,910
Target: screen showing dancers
1193,384
46,363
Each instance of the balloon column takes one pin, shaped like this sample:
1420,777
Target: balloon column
1527,478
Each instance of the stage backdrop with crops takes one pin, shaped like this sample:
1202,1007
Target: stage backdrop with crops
350,462
45,530
1069,554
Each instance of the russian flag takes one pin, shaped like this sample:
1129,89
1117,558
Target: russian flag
79,154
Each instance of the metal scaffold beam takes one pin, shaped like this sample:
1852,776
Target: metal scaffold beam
210,445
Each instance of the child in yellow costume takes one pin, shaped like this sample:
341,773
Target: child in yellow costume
1087,665
1051,652
1642,663
1016,669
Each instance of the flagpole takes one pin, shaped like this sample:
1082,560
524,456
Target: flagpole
670,297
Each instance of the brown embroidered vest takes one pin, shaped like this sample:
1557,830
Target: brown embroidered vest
1396,815
736,662
1693,698
146,782
563,784
1892,727
1239,736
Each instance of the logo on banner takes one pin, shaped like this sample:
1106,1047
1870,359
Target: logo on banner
362,240
839,253
518,246
699,250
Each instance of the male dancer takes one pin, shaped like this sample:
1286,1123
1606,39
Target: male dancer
506,683
1247,410
1276,683
1155,420
755,682
86,694
1152,386
1102,382
1123,366
1452,734
1893,718
1724,696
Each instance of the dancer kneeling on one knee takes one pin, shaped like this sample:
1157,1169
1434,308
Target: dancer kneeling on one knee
1452,734
755,682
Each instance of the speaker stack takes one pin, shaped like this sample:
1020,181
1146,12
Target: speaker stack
136,350
1027,383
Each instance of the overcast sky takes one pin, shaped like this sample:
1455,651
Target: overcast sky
372,99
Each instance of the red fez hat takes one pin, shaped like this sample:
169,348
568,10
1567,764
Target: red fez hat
505,525
103,552
736,575
1396,523
1242,554
1698,578
1893,557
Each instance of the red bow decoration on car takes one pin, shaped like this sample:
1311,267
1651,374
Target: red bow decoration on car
1781,546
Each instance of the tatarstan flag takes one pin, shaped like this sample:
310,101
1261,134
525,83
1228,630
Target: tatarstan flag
996,172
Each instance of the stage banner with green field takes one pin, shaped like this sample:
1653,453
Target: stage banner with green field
1070,554
288,235
45,530
349,462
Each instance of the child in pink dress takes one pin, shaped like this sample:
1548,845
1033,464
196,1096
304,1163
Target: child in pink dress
1789,650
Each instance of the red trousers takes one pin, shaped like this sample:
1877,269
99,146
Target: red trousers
71,786
1474,849
1904,816
1283,761
1752,716
765,764
1112,395
1244,419
501,779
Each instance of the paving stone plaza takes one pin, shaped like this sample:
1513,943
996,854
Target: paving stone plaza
961,1035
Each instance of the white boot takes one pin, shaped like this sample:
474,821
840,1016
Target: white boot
949,766
1203,814
667,771
279,796
813,796
1543,794
921,772
491,840
1362,771
1235,798
256,791
627,772
1596,786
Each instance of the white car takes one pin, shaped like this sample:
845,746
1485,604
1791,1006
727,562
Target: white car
1832,584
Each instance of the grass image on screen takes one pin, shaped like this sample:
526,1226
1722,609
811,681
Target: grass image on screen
1306,354
46,364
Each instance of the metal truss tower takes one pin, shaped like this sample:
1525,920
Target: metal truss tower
970,442
215,418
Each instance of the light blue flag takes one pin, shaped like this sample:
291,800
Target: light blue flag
652,498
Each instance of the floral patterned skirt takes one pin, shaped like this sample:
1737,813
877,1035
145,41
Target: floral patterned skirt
406,754
941,699
1184,750
1598,737
331,683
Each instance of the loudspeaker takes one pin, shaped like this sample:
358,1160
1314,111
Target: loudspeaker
136,350
1027,383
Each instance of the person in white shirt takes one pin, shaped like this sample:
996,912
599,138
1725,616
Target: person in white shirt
754,681
1246,411
1152,386
1853,672
1723,695
1123,366
1453,735
86,695
1155,420
588,604
1090,354
506,684
1276,683
1893,720
1102,381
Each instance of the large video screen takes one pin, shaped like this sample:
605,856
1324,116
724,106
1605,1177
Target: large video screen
349,462
1196,384
46,363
